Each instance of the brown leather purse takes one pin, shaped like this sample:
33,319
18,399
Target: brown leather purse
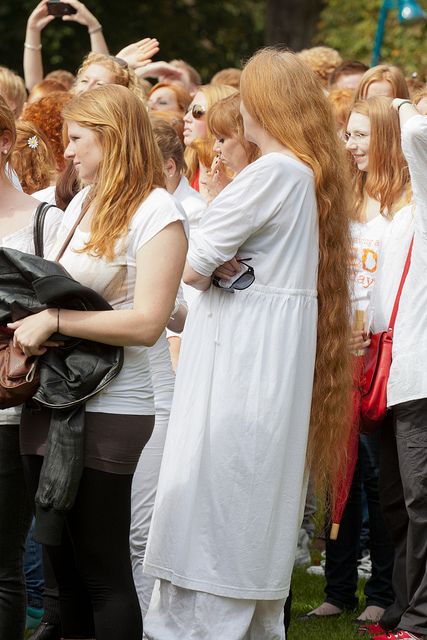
19,375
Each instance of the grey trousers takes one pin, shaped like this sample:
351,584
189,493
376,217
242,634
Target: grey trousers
403,495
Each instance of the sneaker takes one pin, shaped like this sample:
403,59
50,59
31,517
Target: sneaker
34,616
370,629
316,570
399,634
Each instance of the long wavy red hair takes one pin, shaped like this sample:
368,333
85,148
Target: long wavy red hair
283,95
387,179
131,165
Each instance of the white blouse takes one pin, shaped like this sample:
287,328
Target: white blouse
131,392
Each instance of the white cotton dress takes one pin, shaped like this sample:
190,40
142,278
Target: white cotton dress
232,484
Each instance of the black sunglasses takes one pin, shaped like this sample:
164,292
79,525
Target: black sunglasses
197,111
122,63
242,282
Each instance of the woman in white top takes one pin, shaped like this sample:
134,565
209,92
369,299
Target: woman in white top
129,224
232,482
162,355
382,201
16,231
403,477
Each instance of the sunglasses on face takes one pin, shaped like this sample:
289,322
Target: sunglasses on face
197,111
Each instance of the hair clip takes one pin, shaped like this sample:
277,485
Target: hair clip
33,142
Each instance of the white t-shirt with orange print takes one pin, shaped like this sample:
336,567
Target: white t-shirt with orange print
366,241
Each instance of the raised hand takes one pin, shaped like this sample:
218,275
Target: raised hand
139,54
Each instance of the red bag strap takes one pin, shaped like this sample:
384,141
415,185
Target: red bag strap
399,291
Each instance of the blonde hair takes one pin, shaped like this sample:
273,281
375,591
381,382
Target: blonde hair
419,95
322,60
12,88
32,158
131,165
224,119
230,76
124,75
201,150
388,179
381,73
284,96
7,123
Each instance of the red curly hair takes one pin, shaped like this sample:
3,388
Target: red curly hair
46,114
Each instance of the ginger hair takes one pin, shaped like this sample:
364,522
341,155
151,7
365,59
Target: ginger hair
183,98
387,179
169,143
201,151
124,75
46,114
61,75
383,72
131,165
230,76
225,120
7,123
284,96
341,101
45,88
322,60
32,158
173,118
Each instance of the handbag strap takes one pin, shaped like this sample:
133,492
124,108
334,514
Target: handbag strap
399,291
38,226
67,241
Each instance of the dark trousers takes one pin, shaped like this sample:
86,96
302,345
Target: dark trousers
403,489
342,554
92,564
15,519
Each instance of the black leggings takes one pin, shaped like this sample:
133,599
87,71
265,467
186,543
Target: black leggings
92,565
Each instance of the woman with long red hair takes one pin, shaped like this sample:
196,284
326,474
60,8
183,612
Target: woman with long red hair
265,354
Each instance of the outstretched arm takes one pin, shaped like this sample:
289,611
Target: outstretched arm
94,27
33,64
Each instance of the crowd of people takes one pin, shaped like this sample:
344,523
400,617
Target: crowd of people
240,241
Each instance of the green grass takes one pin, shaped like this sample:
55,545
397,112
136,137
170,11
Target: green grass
307,595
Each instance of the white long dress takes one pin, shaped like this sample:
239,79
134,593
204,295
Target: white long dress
232,484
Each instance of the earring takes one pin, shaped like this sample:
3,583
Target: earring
5,151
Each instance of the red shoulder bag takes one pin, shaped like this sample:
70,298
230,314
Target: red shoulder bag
377,365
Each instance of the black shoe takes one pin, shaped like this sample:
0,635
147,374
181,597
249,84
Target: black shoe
46,631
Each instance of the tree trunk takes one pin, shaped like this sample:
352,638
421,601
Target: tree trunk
292,22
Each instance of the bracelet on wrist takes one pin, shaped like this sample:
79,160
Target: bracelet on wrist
95,30
403,102
33,47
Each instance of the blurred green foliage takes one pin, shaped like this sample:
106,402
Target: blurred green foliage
350,27
210,35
